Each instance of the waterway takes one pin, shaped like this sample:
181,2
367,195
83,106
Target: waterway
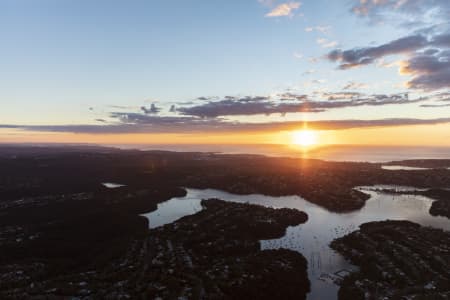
312,238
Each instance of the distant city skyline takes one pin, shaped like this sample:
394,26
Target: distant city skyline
364,72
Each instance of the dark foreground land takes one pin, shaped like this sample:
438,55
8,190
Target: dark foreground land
397,260
214,254
33,171
58,221
46,236
440,207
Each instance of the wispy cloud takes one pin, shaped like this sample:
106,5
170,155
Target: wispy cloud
325,43
298,103
308,72
267,2
284,9
321,29
352,85
402,12
298,55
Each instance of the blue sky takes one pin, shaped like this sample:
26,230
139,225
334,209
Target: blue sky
67,62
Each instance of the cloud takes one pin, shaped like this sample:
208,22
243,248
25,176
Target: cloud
122,107
284,9
325,43
443,96
137,118
308,72
266,2
317,81
313,60
321,29
154,124
292,96
243,106
291,103
207,98
429,71
298,55
435,105
428,59
438,100
363,56
402,12
346,95
152,110
355,86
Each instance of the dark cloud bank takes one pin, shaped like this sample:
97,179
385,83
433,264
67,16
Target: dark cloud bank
426,50
291,103
428,62
148,124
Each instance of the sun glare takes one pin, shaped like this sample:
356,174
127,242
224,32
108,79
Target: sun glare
304,138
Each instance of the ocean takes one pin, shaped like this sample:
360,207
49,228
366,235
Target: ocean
354,153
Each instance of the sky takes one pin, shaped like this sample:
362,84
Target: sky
373,72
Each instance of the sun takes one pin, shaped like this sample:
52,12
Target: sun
304,138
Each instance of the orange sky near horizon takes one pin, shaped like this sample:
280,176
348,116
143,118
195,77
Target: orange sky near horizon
424,135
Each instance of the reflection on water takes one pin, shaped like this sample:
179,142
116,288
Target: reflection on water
390,187
330,153
395,168
177,207
112,185
313,237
